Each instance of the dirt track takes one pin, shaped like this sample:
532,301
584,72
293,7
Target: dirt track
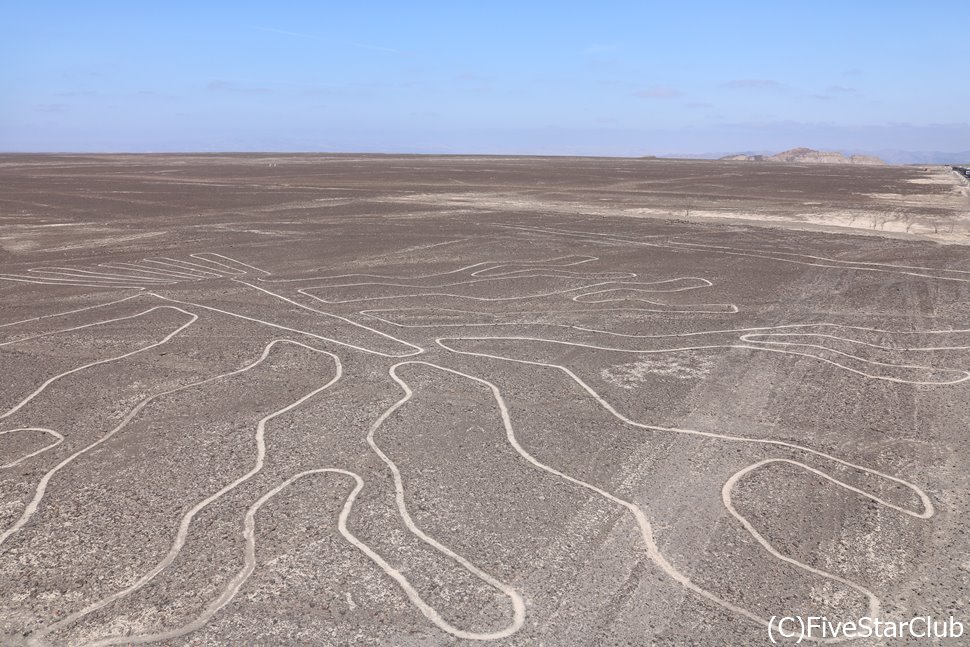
342,400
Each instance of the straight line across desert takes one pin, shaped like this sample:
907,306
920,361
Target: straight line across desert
443,400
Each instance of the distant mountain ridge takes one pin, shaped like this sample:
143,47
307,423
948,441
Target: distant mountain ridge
807,156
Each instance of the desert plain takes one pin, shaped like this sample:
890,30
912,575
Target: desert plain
419,400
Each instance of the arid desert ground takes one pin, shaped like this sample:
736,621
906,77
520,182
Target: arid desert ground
421,401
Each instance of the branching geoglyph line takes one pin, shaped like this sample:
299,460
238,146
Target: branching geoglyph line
802,340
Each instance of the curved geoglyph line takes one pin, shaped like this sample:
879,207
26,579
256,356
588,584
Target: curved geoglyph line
156,273
754,339
186,521
164,270
812,261
652,551
643,523
70,312
58,439
483,267
306,333
518,605
41,488
51,380
577,292
374,313
249,535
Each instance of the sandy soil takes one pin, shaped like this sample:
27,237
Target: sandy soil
372,400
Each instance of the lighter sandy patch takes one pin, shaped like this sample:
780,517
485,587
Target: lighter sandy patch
682,366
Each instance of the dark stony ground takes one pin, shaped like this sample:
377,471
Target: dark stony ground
339,400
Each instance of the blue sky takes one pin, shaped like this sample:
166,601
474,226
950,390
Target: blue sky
623,78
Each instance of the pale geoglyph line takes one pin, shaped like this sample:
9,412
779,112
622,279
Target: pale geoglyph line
234,586
205,268
418,349
373,314
964,375
255,269
293,330
622,284
492,265
186,520
50,281
487,273
518,604
41,488
249,535
699,308
71,329
927,503
928,507
652,550
134,267
249,531
55,280
203,274
726,498
58,439
70,312
751,339
890,266
199,274
770,255
88,275
412,593
51,380
176,269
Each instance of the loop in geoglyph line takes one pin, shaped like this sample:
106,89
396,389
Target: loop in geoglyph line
652,550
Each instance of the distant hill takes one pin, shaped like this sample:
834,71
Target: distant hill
807,156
